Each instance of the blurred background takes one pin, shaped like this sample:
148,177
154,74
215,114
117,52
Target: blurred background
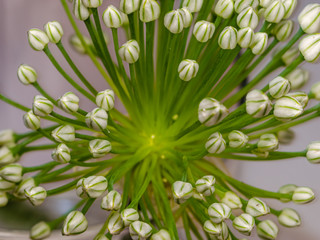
18,16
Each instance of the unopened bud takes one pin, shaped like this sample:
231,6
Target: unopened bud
279,87
275,12
38,40
193,5
211,112
256,207
61,154
97,119
309,18
94,186
237,139
69,102
64,133
282,30
267,230
205,185
287,108
302,195
285,136
309,47
6,156
31,121
3,199
23,185
149,10
112,201
259,43
40,231
42,106
240,5
219,212
130,51
129,6
289,218
54,31
224,8
26,74
186,16
228,38
161,235
215,143
203,31
11,172
315,91
188,69
268,142
258,104
290,6
232,200
302,97
80,11
140,230
6,185
248,18
245,37
287,189
244,223
75,223
112,17
182,191
115,223
36,195
173,21
297,78
92,3
129,215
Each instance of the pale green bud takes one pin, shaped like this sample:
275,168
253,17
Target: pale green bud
205,185
275,12
258,104
31,121
240,5
173,21
3,199
188,69
313,153
40,231
289,56
279,87
125,19
268,142
193,5
315,91
129,6
6,185
302,97
79,189
99,147
287,108
92,3
309,18
161,235
244,223
112,17
54,31
211,112
219,230
94,186
64,133
248,18
215,143
129,215
80,11
297,78
75,223
11,172
112,201
290,6
69,102
23,185
182,191
115,223
228,38
289,218
61,154
285,136
186,17
245,37
237,139
140,230
282,30
36,195
149,10
42,106
259,43
105,99
267,230
302,195
203,30
77,44
38,40
287,189
231,200
130,51
309,47
26,74
6,156
224,8
256,207
97,119
259,153
219,212
7,137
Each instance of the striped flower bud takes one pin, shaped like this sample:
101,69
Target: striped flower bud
115,223
79,189
38,40
129,6
129,215
40,231
6,185
205,185
77,45
112,17
290,6
11,172
36,195
149,10
92,3
173,21
23,185
7,137
64,133
282,30
231,200
188,69
289,218
265,3
302,97
80,11
267,230
309,18
182,191
218,230
268,142
193,5
297,78
130,51
256,207
61,154
94,186
186,17
42,106
237,139
211,112
97,119
161,235
3,199
224,8
228,38
75,223
315,91
259,43
219,212
31,121
99,147
6,156
279,87
203,30
105,99
215,143
245,37
309,47
69,102
112,201
287,108
275,12
240,5
140,230
285,136
302,195
244,223
26,74
287,189
313,153
257,104
248,18
289,56
54,31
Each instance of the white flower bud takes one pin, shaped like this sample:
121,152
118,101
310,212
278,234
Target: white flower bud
256,207
309,18
129,215
265,3
313,153
203,30
41,106
161,235
219,230
92,3
75,223
275,11
69,102
38,40
115,223
282,30
130,51
36,195
245,37
79,189
182,191
26,74
112,201
237,139
7,137
302,97
219,212
240,5
99,147
224,8
31,121
6,156
105,99
3,199
149,10
140,230
80,11
64,133
289,218
297,78
112,17
257,104
6,185
309,47
228,38
129,6
173,21
289,56
231,200
205,185
268,142
244,223
290,6
315,91
287,108
186,16
287,189
94,186
215,143
248,18
285,136
40,231
302,195
279,87
77,44
97,119
193,5
211,112
54,31
11,172
23,185
188,69
61,154
267,230
259,43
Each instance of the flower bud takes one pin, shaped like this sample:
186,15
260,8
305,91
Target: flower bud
231,200
23,185
315,91
79,189
36,195
267,230
290,6
215,143
186,16
244,223
75,223
205,185
228,38
237,139
219,230
7,137
77,44
313,153
287,108
11,172
64,133
245,37
80,11
112,17
6,185
289,56
129,215
101,237
54,31
279,87
248,18
99,147
130,51
287,189
69,102
203,30
297,78
256,207
289,218
161,235
240,5
188,69
112,201
285,136
92,3
182,191
40,231
38,40
193,5
140,230
97,119
282,30
115,223
309,47
129,6
149,10
302,97
31,121
224,8
302,195
309,18
3,199
259,43
6,156
94,186
258,104
61,154
42,106
211,112
26,74
268,142
265,3
219,212
173,21
275,12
